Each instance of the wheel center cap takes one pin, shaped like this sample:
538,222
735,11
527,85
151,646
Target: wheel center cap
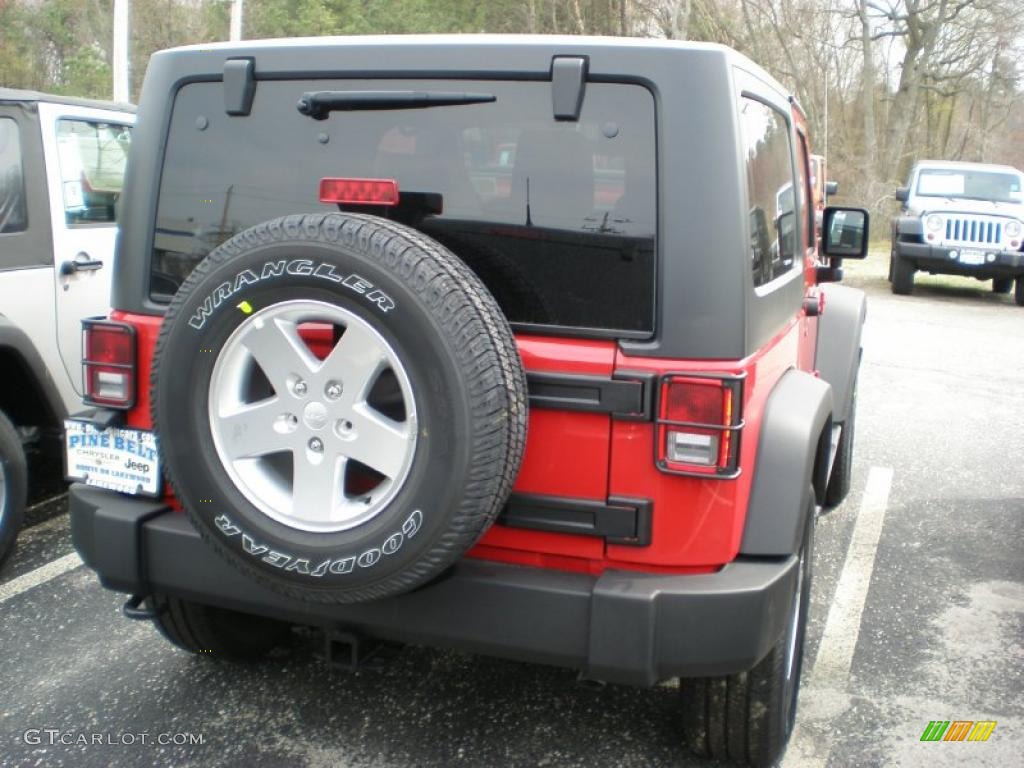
315,415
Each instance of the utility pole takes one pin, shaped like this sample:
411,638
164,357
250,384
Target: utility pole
236,20
120,51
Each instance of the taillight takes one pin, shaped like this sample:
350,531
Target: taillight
108,363
359,191
699,425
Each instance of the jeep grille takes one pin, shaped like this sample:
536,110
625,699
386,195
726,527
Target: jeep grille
971,230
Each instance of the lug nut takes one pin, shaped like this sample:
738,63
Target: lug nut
316,445
333,390
300,387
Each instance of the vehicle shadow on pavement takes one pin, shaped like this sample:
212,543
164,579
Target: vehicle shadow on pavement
425,708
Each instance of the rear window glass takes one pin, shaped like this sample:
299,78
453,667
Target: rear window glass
557,218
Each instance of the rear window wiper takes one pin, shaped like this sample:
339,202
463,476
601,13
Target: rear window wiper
319,104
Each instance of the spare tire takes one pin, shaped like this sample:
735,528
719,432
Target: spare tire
340,405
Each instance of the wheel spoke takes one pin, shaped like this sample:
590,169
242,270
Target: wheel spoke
356,360
324,413
380,443
279,351
317,487
250,431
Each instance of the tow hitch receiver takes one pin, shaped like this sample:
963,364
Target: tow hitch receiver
351,651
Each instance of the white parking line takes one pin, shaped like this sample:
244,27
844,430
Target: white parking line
40,575
44,502
831,670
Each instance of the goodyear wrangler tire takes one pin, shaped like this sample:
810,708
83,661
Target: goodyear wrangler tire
340,405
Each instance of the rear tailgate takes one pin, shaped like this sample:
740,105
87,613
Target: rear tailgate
567,451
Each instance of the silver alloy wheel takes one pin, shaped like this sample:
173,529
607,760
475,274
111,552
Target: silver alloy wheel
348,458
3,490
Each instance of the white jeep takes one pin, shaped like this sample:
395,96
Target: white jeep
62,161
960,219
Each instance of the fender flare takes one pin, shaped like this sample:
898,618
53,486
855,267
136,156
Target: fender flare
792,456
907,227
17,342
837,357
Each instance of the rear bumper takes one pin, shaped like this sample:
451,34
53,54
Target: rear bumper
619,626
935,258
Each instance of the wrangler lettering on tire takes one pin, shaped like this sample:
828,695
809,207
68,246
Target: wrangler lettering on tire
360,417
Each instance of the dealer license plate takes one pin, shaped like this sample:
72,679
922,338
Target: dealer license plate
972,256
124,460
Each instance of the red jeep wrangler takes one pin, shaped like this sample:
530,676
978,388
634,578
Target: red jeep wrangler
578,408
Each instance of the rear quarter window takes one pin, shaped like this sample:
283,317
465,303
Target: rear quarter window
771,200
13,209
557,218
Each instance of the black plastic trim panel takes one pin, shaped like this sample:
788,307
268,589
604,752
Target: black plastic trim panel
619,626
619,521
239,86
628,398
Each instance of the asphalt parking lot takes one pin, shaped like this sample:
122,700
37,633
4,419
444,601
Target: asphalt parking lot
917,613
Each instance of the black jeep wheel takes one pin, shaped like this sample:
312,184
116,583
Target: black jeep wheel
224,634
1002,284
13,485
842,468
340,404
747,718
1018,292
902,272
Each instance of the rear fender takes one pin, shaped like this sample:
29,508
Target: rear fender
792,456
837,358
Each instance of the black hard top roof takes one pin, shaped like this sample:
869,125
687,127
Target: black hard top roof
8,95
494,52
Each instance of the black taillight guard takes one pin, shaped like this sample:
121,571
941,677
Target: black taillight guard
728,471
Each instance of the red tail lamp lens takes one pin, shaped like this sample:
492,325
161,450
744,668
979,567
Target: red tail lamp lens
108,364
359,191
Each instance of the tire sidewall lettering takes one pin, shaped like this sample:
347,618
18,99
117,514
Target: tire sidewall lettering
234,287
304,565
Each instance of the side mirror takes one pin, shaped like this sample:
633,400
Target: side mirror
902,194
831,188
845,233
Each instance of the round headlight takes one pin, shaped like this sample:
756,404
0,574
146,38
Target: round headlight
934,223
1013,229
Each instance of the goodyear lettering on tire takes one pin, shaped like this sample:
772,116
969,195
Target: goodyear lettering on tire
337,566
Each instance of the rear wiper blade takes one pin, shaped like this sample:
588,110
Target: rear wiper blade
319,104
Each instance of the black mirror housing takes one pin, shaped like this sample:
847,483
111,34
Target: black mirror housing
902,194
844,233
831,188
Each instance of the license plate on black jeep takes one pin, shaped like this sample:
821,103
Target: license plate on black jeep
114,458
